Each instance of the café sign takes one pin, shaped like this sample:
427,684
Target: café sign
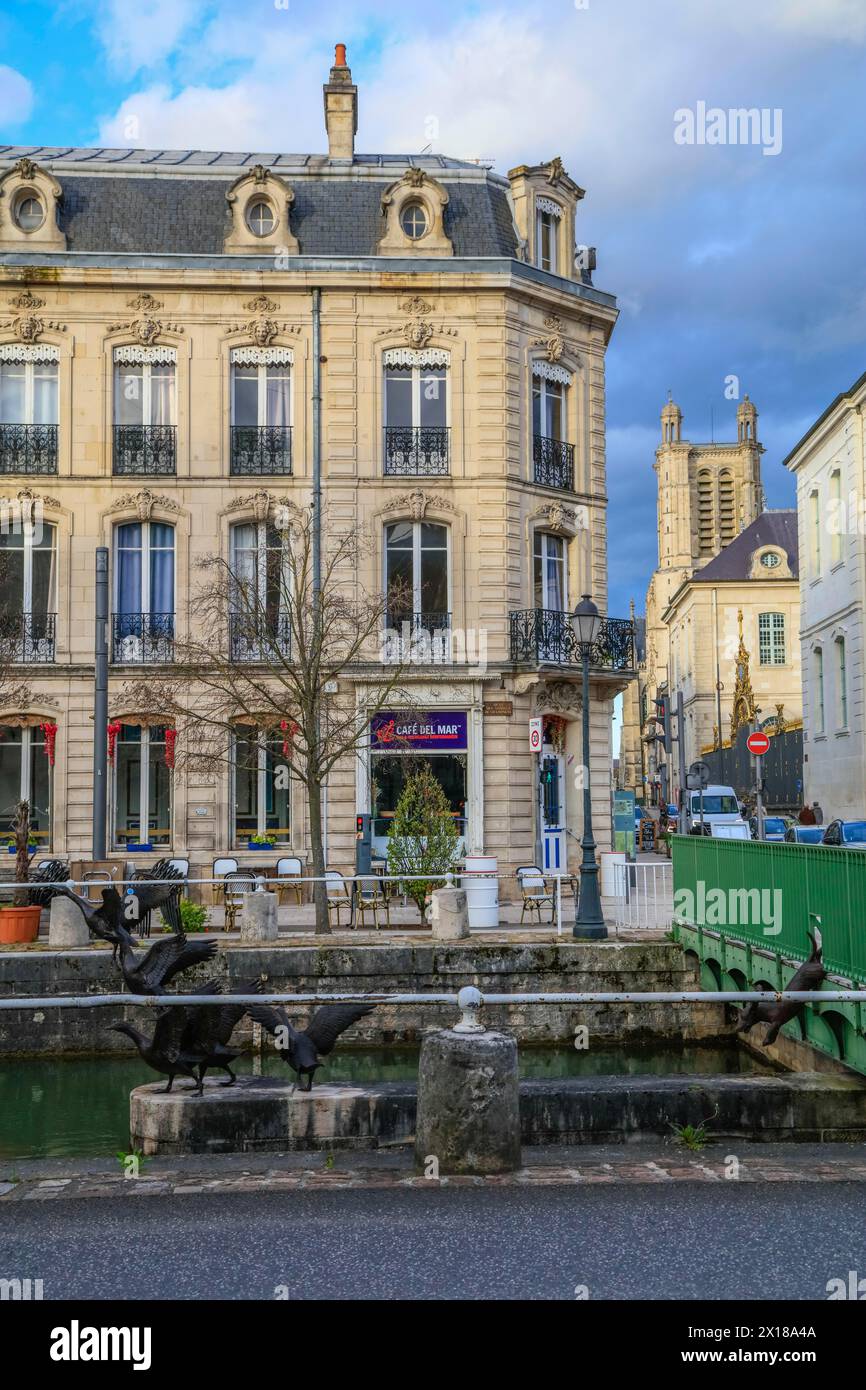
442,732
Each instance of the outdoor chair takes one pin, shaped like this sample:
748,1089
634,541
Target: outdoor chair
46,872
371,895
221,867
234,886
290,868
338,895
535,892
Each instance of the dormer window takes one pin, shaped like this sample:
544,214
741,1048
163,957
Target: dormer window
29,213
413,220
548,216
260,218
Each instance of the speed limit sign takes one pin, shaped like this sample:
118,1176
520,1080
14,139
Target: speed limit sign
535,735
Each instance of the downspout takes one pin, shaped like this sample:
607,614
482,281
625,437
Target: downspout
718,687
317,512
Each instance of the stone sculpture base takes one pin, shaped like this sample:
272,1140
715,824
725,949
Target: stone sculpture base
468,1103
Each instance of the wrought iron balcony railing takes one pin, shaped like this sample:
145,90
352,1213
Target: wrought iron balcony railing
144,449
261,449
543,636
142,638
413,451
254,637
28,448
27,637
418,639
554,462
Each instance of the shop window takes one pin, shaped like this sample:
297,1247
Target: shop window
262,788
142,788
25,775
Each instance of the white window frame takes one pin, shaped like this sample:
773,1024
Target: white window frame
417,604
836,551
815,533
31,357
27,586
841,680
772,638
562,541
261,789
547,213
819,690
417,360
144,593
264,359
147,358
143,795
27,755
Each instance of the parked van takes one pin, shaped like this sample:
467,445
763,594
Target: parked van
721,817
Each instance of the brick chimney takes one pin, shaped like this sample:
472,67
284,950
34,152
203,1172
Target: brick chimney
341,108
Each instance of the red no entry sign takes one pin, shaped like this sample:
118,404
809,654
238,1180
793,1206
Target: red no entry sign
758,744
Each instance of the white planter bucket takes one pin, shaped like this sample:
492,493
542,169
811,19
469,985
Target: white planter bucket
482,890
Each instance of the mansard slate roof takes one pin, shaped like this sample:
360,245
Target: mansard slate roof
776,528
174,201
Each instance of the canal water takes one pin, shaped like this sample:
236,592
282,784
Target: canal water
79,1107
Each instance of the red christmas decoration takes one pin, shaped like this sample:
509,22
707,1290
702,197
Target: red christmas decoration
290,729
170,741
50,732
114,729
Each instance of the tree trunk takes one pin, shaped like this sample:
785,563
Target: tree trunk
317,848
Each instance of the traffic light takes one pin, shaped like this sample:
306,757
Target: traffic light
663,717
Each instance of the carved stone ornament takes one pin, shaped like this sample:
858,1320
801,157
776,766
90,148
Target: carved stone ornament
259,503
27,300
261,304
416,306
143,503
558,696
144,303
415,177
416,503
26,499
417,332
26,169
555,171
145,328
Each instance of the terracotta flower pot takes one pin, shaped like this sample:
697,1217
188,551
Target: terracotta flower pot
19,924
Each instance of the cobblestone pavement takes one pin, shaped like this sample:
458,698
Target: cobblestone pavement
195,1176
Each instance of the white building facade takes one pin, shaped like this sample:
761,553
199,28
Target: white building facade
829,464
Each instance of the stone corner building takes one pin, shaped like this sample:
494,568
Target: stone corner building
156,340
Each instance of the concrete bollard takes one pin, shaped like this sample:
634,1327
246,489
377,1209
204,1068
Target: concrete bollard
449,917
468,1116
66,924
259,917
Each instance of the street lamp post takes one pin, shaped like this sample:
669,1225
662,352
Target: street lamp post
588,917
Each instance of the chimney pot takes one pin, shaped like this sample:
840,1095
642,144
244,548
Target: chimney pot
341,108
340,55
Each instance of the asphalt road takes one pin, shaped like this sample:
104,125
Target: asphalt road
686,1240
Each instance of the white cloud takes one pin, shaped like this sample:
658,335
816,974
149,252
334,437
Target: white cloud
831,20
196,118
143,34
16,96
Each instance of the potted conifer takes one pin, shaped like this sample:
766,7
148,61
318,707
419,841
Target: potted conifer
422,838
20,922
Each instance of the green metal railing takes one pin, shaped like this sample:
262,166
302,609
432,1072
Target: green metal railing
809,879
746,910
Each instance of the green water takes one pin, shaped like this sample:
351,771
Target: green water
79,1107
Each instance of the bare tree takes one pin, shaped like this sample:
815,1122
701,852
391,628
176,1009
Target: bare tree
266,653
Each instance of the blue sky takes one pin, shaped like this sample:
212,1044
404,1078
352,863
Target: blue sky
726,261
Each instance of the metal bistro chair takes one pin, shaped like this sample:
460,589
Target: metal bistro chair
338,895
290,868
234,886
221,867
371,895
535,892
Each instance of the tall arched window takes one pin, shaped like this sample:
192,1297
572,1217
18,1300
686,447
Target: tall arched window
143,628
260,625
28,593
706,518
417,585
416,411
727,509
552,454
25,775
261,410
142,788
28,408
144,410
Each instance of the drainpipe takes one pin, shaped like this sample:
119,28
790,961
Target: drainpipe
718,688
100,705
317,513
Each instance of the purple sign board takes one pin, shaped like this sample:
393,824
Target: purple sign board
442,732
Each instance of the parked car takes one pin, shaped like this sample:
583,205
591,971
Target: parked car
775,827
673,818
804,835
847,834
